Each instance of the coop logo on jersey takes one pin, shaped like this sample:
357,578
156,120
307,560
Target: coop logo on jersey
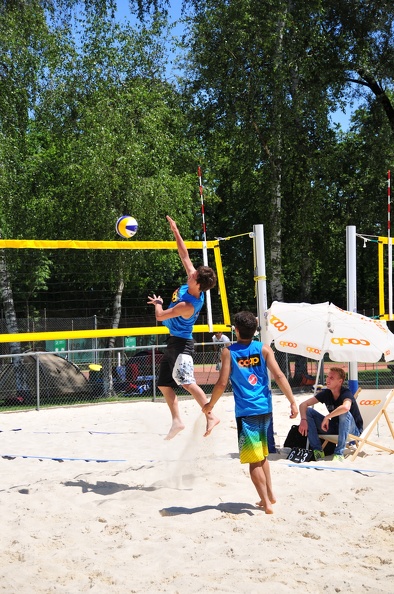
249,361
252,379
175,296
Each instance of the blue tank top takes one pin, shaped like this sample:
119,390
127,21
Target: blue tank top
249,379
180,326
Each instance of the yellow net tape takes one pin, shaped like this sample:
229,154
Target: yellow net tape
48,244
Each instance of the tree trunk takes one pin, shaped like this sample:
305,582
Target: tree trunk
107,360
276,284
366,79
22,387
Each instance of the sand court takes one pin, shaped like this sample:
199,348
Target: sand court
149,515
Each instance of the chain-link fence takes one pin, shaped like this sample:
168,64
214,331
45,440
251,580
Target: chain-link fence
40,379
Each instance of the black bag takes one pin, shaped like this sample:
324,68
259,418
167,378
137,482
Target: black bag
294,438
297,443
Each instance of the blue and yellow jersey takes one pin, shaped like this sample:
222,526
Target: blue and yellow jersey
182,327
249,379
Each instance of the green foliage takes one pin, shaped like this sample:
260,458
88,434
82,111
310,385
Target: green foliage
91,129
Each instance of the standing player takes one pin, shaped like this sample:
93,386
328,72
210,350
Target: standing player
247,363
176,368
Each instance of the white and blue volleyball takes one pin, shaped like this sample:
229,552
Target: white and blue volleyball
126,226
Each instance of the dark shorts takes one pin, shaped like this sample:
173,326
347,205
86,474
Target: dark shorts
176,367
253,438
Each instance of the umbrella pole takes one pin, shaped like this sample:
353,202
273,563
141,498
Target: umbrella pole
315,389
318,375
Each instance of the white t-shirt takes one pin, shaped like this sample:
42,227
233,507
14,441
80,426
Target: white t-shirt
223,340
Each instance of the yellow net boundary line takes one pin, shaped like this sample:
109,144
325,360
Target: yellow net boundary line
102,333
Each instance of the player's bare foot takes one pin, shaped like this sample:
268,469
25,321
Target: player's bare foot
261,503
267,508
212,421
176,427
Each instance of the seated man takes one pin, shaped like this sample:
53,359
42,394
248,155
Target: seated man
343,415
220,341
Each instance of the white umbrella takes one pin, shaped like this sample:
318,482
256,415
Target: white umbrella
311,330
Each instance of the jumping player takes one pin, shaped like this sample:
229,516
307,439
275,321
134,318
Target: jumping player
176,368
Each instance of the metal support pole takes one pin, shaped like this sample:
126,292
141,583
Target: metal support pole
260,278
38,380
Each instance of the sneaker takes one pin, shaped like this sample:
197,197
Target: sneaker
338,458
319,455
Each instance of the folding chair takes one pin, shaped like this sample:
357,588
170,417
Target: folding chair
372,407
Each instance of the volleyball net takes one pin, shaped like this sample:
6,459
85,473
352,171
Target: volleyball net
63,245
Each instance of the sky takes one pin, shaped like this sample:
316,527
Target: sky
343,118
123,12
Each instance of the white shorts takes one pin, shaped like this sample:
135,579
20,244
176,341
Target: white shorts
183,372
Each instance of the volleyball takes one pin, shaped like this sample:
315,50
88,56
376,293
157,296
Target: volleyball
126,226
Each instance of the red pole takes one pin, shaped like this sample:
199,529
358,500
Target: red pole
388,202
389,246
204,228
204,246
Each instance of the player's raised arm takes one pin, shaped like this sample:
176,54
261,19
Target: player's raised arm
182,249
